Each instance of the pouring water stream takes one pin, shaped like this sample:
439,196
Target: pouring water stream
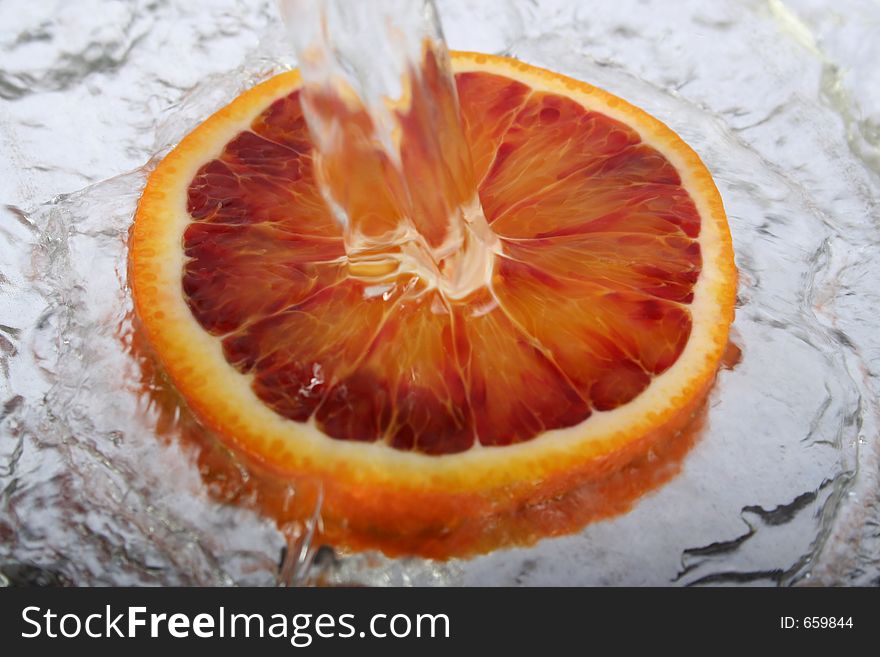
381,105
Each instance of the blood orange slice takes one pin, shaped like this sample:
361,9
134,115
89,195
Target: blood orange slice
596,340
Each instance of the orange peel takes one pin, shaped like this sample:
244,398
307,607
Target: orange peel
376,495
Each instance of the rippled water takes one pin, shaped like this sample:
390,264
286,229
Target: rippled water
779,99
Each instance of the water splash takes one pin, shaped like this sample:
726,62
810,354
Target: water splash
381,104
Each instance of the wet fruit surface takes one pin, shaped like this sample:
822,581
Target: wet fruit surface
588,302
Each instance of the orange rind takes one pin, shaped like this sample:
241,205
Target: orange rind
239,291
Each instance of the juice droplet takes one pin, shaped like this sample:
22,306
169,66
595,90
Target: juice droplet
732,355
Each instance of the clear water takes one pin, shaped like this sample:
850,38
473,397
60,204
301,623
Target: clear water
380,101
780,100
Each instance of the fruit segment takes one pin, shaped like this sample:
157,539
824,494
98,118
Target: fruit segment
240,274
591,204
258,180
489,104
296,356
664,266
608,343
408,389
589,300
550,138
516,391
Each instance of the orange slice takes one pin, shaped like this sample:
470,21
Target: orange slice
597,340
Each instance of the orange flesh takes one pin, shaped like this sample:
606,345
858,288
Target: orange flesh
589,299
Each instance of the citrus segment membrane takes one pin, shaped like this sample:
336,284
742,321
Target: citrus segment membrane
588,301
550,139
